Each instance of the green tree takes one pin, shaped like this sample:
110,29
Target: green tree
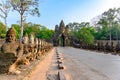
2,30
109,17
104,31
85,34
4,9
83,31
38,30
30,28
45,33
108,25
17,29
25,7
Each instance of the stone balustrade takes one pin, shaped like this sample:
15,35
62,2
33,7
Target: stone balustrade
13,54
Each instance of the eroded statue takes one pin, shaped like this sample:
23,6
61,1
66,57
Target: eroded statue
11,53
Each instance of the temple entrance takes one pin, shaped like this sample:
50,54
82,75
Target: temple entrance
61,37
62,40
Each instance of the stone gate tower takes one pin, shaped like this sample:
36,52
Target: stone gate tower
61,36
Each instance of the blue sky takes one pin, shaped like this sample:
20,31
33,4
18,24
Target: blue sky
53,11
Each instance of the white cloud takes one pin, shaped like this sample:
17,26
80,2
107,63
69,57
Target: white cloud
113,3
110,4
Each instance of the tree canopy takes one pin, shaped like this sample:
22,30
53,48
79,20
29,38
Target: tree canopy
2,30
106,26
36,29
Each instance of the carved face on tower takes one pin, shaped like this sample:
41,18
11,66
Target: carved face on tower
63,30
11,35
56,28
62,26
67,29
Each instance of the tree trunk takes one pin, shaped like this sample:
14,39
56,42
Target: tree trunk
110,34
6,24
21,32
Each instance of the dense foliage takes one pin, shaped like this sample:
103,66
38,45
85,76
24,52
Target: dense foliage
36,29
104,27
2,30
84,31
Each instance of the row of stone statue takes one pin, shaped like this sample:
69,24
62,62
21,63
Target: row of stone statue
14,53
99,46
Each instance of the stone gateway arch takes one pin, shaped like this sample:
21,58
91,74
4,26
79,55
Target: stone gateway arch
61,37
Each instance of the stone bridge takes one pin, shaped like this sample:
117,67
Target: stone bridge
36,59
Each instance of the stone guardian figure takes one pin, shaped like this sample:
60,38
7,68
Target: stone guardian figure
11,53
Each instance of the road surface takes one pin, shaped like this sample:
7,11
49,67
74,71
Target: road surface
90,65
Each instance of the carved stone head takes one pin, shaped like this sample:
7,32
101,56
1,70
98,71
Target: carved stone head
25,39
67,29
36,41
62,26
56,28
11,35
31,39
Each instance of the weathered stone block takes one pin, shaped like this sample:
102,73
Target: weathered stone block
59,61
61,75
60,66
